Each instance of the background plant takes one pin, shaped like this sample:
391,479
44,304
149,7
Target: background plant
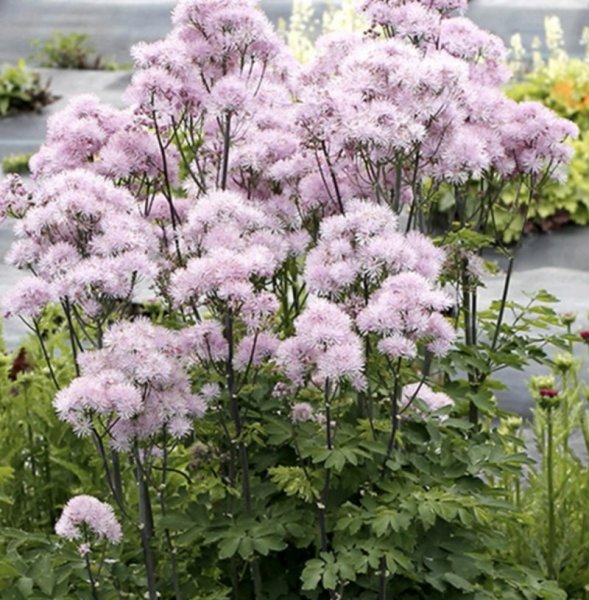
553,497
21,89
560,82
16,163
68,51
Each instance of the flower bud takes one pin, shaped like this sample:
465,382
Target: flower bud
541,381
549,398
512,423
568,318
564,362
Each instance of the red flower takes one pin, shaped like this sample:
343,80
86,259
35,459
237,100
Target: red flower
585,335
548,392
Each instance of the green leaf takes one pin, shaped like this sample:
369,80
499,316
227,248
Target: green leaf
246,547
228,547
398,558
337,461
544,296
293,481
458,582
6,474
386,520
311,574
329,578
177,521
43,575
25,586
8,570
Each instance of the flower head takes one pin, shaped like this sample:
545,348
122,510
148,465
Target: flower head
87,512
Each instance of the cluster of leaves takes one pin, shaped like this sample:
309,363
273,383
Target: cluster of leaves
21,89
69,51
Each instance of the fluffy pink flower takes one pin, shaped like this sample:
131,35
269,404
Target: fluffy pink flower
255,349
302,412
406,310
365,244
204,341
85,238
28,298
433,400
232,244
87,512
75,135
325,347
136,384
15,198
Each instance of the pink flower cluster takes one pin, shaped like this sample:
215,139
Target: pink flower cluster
364,244
433,400
90,514
15,199
84,240
136,384
95,136
301,412
232,245
379,9
220,76
405,311
417,101
387,279
228,161
325,348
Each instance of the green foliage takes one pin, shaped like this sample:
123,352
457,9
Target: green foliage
424,519
66,51
552,535
16,163
41,458
21,89
70,51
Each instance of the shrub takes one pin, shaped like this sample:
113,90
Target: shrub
16,163
302,409
21,89
67,51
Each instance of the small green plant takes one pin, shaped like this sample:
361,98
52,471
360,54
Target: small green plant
552,534
21,89
16,163
67,51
